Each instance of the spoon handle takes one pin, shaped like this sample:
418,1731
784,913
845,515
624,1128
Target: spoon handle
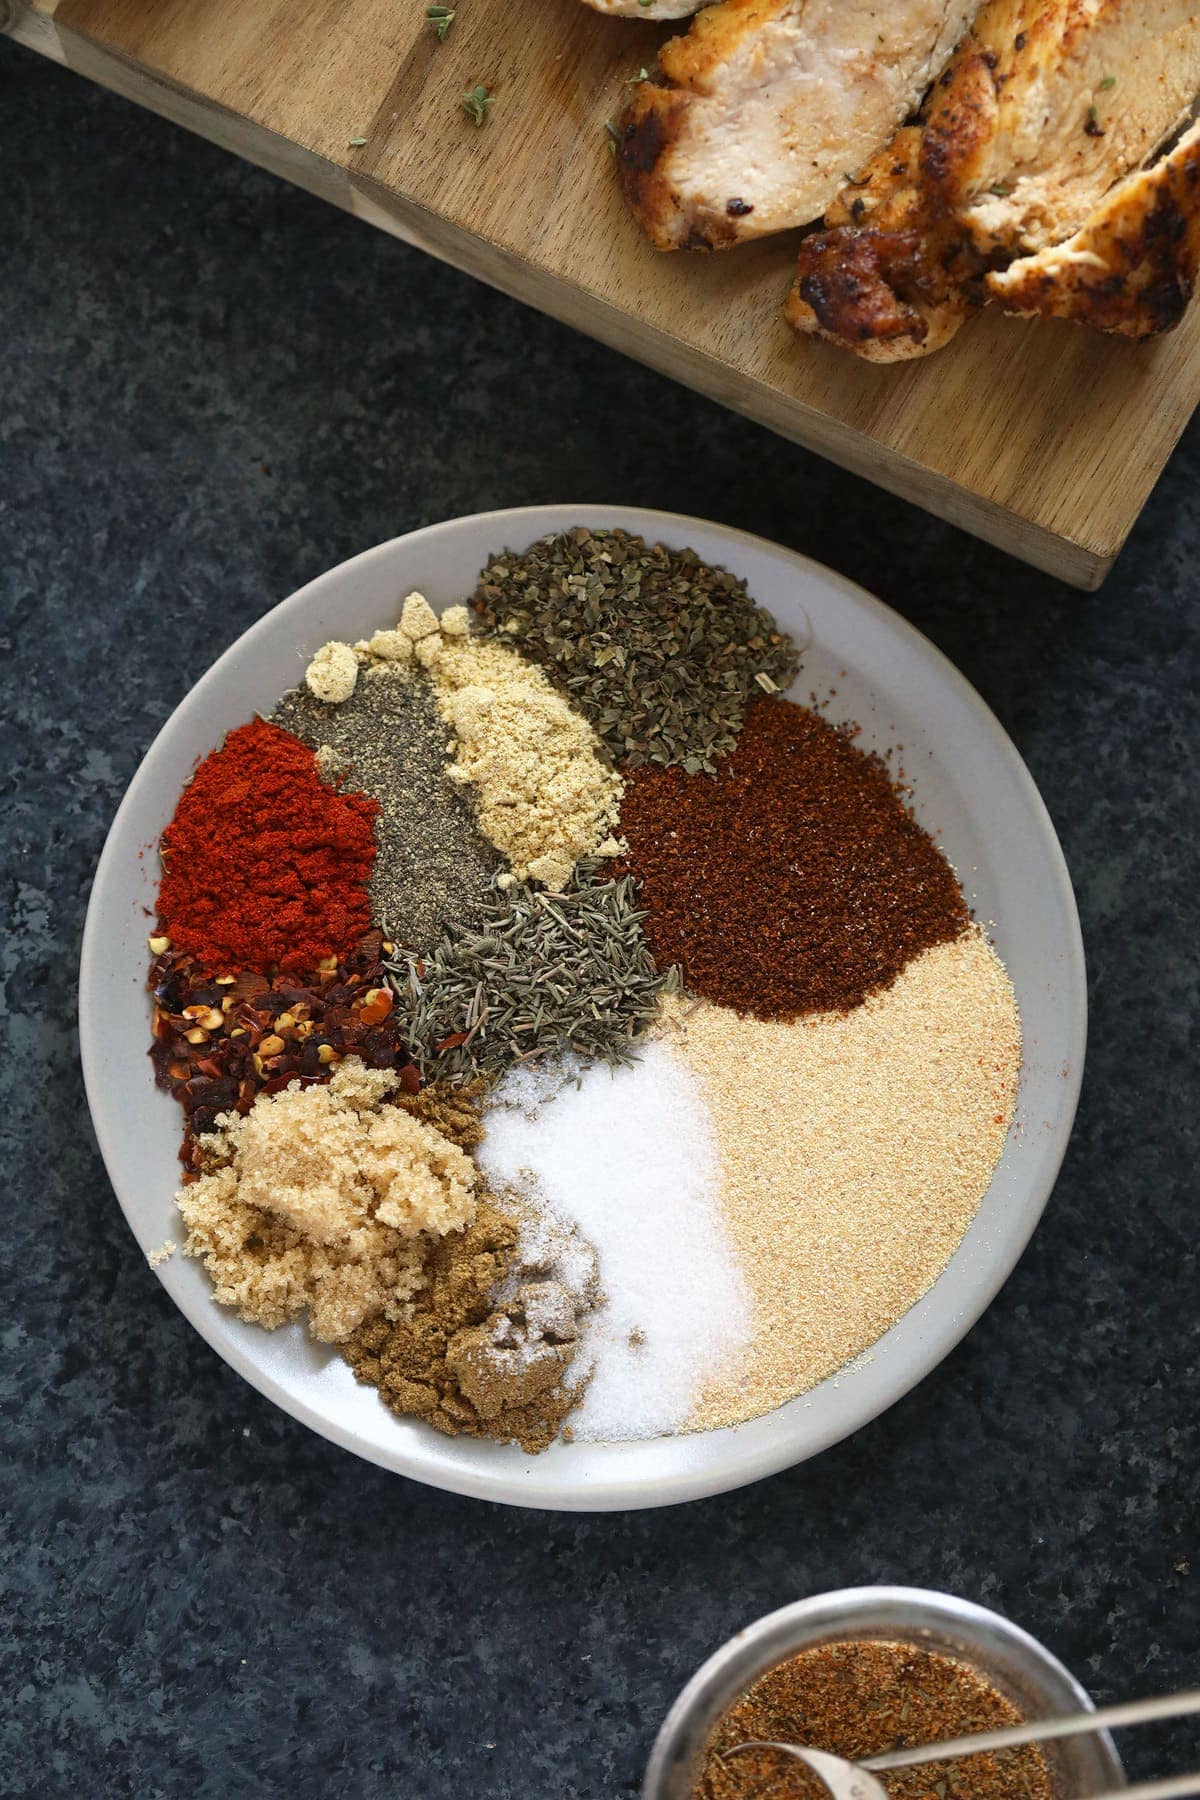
1159,1790
1041,1731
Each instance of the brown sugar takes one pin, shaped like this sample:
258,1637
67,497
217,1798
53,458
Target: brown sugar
323,1200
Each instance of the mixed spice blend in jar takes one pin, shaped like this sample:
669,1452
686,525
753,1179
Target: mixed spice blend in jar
858,1699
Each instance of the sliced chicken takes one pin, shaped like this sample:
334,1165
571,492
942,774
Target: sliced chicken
1077,95
758,111
1132,267
876,280
1042,112
648,9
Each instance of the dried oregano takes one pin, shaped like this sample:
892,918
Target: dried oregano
660,651
541,975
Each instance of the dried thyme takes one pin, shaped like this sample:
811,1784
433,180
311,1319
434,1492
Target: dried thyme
541,975
659,651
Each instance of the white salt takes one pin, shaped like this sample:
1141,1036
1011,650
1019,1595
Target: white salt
629,1156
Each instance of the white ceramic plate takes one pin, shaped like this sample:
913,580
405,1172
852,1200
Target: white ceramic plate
971,787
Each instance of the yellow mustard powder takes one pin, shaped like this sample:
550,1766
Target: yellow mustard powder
333,672
542,793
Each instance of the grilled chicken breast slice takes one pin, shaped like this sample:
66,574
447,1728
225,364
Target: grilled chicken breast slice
871,281
1064,100
1132,267
758,111
654,9
1041,112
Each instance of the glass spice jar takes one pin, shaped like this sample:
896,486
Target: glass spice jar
1014,1663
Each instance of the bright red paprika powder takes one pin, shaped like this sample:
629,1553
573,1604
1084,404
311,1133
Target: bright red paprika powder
263,865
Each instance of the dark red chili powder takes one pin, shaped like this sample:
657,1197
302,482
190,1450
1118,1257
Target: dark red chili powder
263,865
795,879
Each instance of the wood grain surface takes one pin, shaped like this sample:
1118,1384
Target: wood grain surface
1042,438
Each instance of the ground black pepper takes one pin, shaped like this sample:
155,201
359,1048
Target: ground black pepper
858,1699
793,881
389,740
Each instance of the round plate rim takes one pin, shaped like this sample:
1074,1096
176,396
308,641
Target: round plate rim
617,1493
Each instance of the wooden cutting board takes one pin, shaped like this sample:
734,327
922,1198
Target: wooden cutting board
1042,438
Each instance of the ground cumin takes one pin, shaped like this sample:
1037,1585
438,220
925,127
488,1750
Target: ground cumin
794,880
454,1111
467,1363
857,1699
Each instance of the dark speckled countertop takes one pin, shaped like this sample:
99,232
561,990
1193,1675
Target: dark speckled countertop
212,388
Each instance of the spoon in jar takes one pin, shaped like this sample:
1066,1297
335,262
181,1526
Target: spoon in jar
855,1781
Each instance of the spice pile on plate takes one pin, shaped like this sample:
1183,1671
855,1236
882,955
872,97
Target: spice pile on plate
574,1033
